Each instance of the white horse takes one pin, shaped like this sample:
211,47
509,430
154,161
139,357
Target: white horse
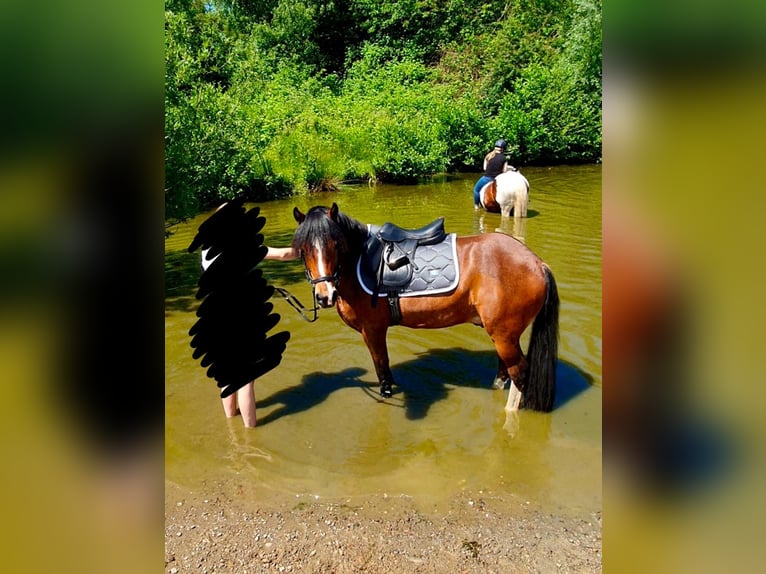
509,192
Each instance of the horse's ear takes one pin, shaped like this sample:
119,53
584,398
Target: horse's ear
299,217
334,211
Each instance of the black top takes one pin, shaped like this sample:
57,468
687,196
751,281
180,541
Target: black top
495,165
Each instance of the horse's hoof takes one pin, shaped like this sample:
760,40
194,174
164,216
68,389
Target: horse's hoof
386,392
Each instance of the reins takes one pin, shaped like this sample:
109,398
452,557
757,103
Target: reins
293,301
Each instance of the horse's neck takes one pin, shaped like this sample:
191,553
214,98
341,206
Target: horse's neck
359,235
356,234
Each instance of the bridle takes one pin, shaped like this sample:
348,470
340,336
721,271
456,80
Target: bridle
334,278
295,303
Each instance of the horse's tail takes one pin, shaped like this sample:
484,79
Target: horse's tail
543,352
521,203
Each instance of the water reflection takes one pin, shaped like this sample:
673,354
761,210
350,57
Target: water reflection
485,222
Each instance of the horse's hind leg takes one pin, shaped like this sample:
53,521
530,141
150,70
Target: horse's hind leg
512,365
502,375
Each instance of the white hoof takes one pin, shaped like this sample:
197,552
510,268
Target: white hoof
498,383
514,398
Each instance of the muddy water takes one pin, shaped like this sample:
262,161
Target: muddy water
324,432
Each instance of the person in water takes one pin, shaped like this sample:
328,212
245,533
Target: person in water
242,402
495,163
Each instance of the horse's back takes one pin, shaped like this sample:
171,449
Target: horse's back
500,280
503,278
498,254
512,180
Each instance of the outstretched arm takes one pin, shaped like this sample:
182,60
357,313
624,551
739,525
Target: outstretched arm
282,253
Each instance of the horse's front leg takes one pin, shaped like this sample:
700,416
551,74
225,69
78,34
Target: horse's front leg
375,339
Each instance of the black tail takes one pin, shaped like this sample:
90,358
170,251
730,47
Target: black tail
543,351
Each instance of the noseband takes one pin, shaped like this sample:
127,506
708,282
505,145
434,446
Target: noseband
334,278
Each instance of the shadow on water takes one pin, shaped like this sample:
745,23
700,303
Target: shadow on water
313,390
571,381
421,382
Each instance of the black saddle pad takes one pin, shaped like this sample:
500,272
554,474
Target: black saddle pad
436,271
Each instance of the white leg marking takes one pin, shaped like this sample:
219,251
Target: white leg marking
514,398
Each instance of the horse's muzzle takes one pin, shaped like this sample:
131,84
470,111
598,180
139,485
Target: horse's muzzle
325,301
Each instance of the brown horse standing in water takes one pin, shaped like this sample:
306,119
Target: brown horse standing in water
503,287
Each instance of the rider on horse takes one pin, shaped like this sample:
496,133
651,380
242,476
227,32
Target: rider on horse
494,164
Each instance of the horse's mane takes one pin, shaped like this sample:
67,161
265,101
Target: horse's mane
317,225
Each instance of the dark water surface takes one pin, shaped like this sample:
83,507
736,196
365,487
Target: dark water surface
323,430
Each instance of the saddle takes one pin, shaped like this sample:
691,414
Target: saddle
399,244
388,262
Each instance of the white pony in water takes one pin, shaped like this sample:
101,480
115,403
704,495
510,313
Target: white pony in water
508,193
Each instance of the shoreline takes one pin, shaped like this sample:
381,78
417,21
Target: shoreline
215,531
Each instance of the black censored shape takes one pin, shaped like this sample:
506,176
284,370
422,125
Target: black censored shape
235,316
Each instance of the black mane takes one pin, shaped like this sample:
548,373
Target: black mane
349,233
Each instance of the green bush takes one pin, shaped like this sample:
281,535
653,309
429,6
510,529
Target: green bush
269,99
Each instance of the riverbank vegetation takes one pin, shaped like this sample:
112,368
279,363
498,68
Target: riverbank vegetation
269,98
